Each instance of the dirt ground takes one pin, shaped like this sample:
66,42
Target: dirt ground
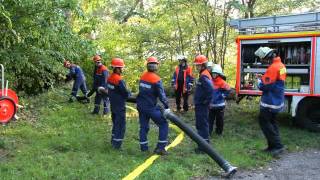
294,166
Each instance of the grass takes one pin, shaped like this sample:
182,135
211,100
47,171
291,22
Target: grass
58,140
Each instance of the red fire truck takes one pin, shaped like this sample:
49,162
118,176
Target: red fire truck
296,38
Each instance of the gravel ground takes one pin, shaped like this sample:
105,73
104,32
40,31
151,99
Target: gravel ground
293,166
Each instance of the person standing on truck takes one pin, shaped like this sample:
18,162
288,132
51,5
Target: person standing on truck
100,77
272,100
220,90
182,82
150,89
202,97
76,73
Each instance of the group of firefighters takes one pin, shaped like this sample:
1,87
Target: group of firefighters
209,97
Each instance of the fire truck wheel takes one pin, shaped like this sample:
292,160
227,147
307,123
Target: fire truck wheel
7,109
308,114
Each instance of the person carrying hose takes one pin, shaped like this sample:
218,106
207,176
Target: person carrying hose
182,82
100,77
150,89
220,90
202,97
272,100
118,93
76,73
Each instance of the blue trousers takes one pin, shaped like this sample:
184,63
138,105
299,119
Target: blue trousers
202,116
97,101
160,121
118,128
79,84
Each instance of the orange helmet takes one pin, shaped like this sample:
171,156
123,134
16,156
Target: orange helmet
66,63
117,62
200,59
152,59
96,58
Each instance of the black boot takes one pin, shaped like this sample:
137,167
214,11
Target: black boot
160,152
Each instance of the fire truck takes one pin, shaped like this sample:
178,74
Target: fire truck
296,39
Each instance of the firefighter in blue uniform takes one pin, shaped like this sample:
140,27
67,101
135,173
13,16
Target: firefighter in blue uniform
150,89
220,90
100,77
118,94
76,73
202,97
272,100
182,81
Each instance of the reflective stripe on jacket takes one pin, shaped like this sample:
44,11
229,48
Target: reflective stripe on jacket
272,86
150,89
220,90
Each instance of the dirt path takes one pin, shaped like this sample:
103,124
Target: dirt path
294,166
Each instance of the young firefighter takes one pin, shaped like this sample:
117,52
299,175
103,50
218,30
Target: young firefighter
272,100
182,81
118,94
220,90
202,98
76,73
150,89
100,77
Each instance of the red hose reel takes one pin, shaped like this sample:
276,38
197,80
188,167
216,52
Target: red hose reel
8,101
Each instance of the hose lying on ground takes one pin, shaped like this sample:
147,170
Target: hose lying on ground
207,148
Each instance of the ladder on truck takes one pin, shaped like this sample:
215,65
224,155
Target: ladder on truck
276,24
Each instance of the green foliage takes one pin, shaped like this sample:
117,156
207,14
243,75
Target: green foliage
36,35
43,38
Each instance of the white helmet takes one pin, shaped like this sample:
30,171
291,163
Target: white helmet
217,69
210,64
262,52
181,57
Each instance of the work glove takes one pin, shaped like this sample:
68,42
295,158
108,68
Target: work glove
190,88
102,90
259,83
167,111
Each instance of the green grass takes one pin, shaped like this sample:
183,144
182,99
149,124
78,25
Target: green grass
58,140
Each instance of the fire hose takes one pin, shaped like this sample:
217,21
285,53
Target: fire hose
207,148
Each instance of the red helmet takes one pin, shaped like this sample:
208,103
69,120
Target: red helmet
200,59
66,63
96,58
117,62
152,59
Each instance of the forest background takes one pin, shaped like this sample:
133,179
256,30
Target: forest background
37,35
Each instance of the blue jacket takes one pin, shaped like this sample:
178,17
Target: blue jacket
76,73
203,94
187,78
150,89
220,90
100,77
118,92
272,86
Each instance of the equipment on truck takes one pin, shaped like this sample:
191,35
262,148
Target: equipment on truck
296,39
8,100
